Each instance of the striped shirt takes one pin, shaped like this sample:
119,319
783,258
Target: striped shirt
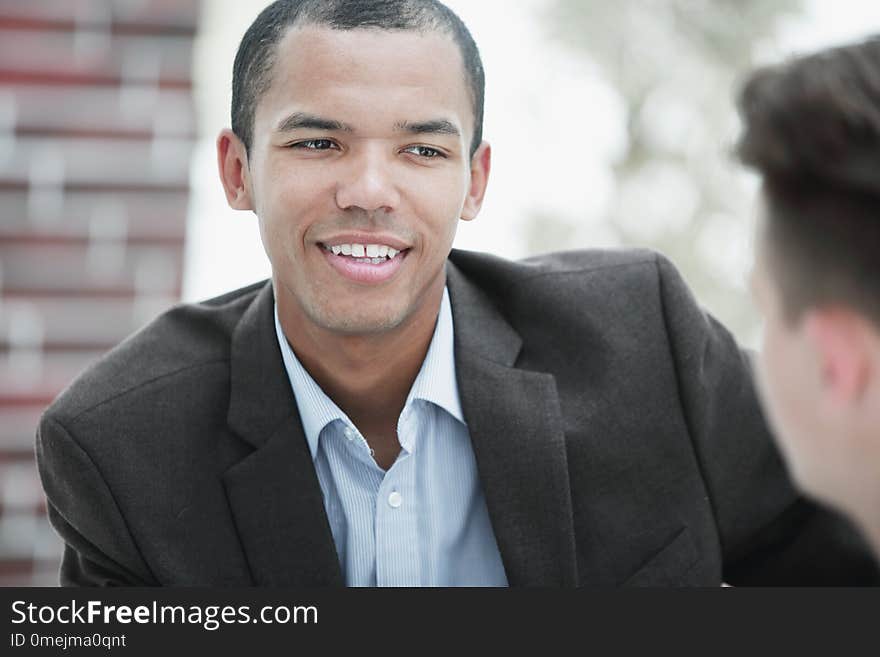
424,521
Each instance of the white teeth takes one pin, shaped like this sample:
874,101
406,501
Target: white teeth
374,253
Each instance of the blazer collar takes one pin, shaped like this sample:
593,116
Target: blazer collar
273,492
513,417
515,423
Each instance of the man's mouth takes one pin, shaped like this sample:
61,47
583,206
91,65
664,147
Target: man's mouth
366,254
364,263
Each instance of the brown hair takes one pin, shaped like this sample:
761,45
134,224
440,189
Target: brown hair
812,130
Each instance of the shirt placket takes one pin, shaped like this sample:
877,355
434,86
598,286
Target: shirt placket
397,540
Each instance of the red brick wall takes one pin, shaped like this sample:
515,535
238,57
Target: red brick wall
96,133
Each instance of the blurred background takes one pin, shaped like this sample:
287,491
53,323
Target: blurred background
611,123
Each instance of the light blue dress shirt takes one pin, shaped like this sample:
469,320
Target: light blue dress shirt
424,521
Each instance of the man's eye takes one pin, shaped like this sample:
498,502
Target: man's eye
424,151
314,144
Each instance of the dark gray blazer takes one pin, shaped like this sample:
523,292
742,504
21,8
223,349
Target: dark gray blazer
615,427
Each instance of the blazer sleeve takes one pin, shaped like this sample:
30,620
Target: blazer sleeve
98,547
769,534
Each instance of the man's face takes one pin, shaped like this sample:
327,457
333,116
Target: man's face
359,172
784,372
790,380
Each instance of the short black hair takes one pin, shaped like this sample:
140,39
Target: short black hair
812,130
255,59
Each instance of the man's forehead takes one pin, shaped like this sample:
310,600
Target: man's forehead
322,71
372,52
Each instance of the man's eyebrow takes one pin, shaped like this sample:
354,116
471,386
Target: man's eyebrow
301,121
437,127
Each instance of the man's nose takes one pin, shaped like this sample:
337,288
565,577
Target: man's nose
368,183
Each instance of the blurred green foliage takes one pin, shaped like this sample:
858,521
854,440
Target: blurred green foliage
676,65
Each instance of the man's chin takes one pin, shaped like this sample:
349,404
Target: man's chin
810,476
358,322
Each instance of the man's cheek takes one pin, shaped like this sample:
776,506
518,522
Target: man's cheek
761,371
771,391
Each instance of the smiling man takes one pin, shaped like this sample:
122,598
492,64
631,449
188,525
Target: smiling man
358,162
389,411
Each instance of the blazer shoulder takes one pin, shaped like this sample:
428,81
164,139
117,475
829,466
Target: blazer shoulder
478,265
563,274
590,260
184,337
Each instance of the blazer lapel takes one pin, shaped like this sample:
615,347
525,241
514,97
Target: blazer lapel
274,493
515,423
513,418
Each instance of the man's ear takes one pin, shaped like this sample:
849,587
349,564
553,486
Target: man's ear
232,162
481,163
841,341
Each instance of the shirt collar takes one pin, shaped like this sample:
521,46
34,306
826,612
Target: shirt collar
434,383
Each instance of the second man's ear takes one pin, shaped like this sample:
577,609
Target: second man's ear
840,342
232,163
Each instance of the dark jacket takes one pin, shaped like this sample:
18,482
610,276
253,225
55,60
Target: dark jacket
615,428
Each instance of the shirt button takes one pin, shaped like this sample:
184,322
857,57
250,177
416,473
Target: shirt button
395,500
349,433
